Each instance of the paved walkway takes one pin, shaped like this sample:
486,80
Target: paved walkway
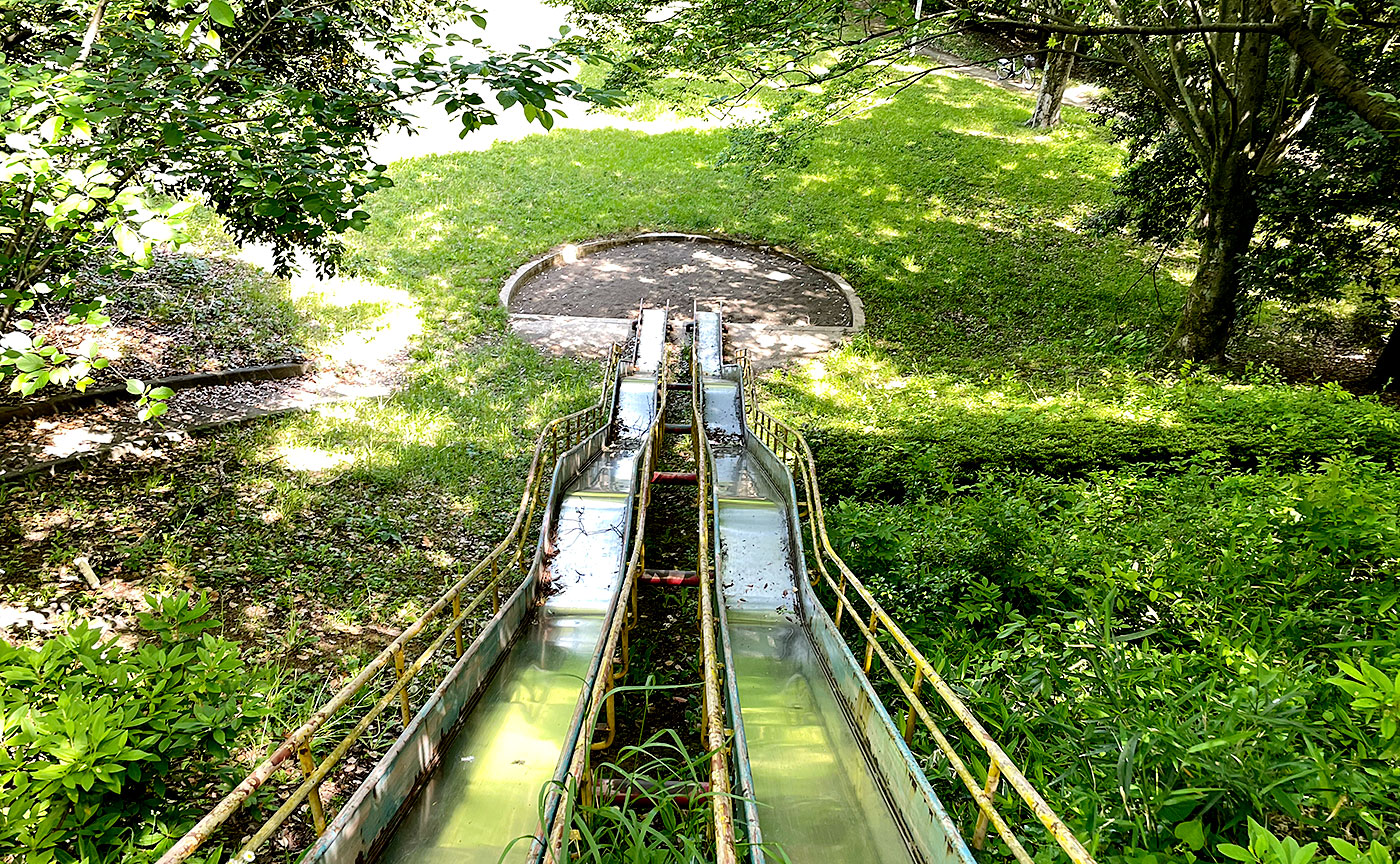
1080,95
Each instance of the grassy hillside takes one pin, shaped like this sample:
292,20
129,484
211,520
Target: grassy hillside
1143,577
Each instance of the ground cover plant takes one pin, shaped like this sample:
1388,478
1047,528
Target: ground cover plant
1006,459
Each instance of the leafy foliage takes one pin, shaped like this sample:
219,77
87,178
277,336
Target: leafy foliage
95,738
262,110
1329,220
1158,648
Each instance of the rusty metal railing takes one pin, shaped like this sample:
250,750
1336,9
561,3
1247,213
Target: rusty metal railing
508,560
576,783
712,729
853,599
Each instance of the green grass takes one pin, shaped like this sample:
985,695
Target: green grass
1006,400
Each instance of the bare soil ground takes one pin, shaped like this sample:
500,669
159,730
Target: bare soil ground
114,430
184,314
754,285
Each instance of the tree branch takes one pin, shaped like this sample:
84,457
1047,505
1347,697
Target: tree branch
1370,105
90,37
1138,30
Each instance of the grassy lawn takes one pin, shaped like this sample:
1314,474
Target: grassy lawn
1142,577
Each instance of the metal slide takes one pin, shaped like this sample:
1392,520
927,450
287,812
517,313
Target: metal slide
806,764
832,780
521,715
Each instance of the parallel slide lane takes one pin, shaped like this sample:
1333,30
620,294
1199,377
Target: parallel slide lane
486,794
819,796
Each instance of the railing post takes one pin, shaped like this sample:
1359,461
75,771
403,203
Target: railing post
870,643
495,586
909,721
403,693
313,798
979,834
457,614
840,598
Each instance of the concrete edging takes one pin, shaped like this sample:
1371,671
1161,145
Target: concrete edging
555,258
71,401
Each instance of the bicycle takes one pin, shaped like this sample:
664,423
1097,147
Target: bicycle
1020,69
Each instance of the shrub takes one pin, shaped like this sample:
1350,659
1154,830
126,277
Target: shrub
1155,647
93,736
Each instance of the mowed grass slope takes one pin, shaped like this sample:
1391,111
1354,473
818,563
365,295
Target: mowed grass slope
1122,566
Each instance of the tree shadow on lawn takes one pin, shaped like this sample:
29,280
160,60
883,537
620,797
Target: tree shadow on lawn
956,226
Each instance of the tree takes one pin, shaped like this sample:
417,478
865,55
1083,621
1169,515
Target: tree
1238,82
263,110
1059,63
1319,191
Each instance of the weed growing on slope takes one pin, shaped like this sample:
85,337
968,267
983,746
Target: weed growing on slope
1165,650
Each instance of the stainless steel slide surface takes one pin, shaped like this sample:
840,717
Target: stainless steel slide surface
821,795
488,789
486,793
818,800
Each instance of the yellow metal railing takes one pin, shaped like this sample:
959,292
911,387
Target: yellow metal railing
505,565
601,696
854,600
712,729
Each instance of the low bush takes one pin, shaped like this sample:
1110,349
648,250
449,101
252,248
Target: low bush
95,738
1168,656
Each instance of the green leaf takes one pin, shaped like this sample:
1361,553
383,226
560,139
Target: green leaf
1238,853
1192,834
157,230
221,12
51,129
29,363
188,32
135,387
129,243
161,393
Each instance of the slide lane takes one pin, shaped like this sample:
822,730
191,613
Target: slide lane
518,688
821,797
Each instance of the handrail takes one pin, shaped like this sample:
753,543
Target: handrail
600,695
558,436
792,449
712,718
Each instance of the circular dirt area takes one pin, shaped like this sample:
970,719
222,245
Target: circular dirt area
755,286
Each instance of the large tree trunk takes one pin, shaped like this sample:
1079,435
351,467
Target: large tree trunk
1386,375
1228,218
1058,65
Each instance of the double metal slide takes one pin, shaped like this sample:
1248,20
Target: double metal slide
807,762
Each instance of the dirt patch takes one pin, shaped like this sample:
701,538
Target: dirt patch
754,285
115,428
185,314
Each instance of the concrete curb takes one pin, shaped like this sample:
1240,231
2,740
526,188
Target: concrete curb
556,258
72,401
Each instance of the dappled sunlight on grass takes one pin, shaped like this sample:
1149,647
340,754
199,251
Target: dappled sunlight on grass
305,458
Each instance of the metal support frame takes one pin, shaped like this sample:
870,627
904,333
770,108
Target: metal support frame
712,717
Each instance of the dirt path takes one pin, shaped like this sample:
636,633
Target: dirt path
1080,95
113,432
